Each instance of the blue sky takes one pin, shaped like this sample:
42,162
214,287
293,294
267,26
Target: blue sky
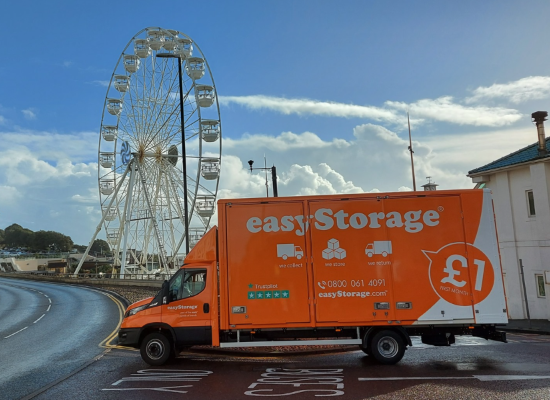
320,87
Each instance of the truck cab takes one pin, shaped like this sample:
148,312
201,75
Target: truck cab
182,313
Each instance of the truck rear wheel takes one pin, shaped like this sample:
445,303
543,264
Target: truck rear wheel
155,349
387,347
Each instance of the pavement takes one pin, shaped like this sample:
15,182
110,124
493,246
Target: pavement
537,326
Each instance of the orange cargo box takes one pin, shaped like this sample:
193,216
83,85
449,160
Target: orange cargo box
365,269
368,259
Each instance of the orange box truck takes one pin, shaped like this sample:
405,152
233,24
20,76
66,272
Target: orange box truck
365,269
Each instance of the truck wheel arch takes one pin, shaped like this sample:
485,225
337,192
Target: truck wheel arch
165,328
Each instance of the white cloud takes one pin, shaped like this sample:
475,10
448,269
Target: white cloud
29,114
310,107
67,64
49,180
445,110
100,83
322,179
79,147
474,149
237,181
91,196
442,109
9,196
44,180
2,120
285,141
525,89
376,160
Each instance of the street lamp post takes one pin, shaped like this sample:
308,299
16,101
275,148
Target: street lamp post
184,161
273,170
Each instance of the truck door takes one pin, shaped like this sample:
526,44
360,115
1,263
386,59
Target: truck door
188,309
266,263
430,265
351,261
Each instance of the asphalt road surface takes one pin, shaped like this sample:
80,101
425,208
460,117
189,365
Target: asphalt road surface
471,369
48,331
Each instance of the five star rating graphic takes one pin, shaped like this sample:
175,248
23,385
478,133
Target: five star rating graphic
269,294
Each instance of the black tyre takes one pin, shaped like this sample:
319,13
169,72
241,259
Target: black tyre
387,347
364,349
156,349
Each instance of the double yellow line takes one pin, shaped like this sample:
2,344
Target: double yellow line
106,343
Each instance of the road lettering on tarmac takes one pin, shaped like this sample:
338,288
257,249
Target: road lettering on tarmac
162,375
277,382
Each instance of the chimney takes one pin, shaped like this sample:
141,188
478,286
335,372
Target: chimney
539,117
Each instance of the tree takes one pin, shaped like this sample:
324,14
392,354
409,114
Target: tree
17,236
80,248
52,241
1,236
100,246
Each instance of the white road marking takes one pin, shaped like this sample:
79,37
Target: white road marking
298,378
39,319
50,306
162,375
482,378
160,389
486,378
46,295
20,330
415,378
50,300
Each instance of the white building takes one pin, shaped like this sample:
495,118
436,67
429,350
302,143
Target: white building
520,183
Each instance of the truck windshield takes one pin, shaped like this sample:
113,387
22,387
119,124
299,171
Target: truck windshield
187,283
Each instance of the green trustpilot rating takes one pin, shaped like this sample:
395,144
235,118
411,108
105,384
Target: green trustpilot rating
269,294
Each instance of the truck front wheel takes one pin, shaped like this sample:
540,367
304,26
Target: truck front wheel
155,349
387,347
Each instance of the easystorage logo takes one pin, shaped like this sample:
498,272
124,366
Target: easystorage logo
180,307
325,218
342,293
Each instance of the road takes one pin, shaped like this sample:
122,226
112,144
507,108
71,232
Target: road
48,331
471,369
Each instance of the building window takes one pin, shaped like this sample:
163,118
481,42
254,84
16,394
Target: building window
530,203
480,185
541,290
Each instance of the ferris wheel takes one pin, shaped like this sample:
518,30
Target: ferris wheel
161,91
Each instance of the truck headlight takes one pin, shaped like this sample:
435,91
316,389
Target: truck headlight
135,310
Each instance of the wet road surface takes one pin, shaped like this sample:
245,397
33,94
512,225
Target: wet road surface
48,331
471,369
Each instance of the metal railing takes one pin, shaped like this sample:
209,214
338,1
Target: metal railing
99,276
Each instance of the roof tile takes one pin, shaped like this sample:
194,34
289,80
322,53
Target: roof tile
528,153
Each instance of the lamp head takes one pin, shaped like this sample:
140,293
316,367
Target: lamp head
250,162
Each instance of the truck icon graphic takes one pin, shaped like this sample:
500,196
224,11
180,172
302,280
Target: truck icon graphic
381,247
289,250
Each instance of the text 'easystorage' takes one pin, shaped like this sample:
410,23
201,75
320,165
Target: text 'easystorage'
325,219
